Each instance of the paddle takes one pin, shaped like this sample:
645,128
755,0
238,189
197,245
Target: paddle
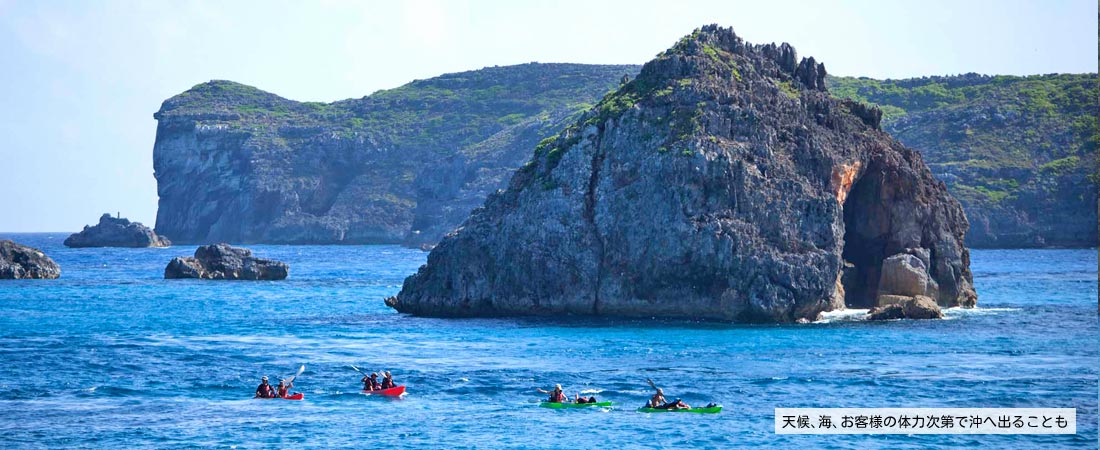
290,379
364,374
651,384
360,371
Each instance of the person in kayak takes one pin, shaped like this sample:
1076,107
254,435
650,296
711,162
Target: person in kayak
556,396
368,385
677,404
581,400
658,400
283,390
387,380
264,390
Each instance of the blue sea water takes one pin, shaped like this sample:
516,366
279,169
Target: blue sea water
113,356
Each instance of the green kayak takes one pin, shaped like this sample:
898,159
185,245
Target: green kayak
552,405
710,410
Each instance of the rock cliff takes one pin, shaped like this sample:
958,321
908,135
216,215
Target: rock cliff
724,183
116,232
19,261
406,165
1018,152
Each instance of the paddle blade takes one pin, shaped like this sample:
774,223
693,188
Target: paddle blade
300,370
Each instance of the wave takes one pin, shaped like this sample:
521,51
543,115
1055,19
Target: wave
858,315
958,312
842,315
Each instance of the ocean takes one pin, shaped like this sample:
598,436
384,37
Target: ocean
111,355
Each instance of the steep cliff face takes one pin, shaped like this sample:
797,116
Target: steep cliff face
1018,152
724,183
237,164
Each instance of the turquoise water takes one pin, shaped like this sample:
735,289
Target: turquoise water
111,355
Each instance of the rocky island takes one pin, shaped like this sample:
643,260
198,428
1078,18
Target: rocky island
725,183
116,232
19,261
224,262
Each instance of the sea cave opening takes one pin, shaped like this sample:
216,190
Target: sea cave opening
866,230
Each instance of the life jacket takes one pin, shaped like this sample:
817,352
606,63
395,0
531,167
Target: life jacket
387,383
265,391
557,397
283,391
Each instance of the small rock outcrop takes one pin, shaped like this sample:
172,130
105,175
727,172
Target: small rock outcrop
223,262
116,232
723,182
917,307
19,261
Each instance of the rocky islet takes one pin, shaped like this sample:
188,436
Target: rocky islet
116,232
22,262
724,183
225,262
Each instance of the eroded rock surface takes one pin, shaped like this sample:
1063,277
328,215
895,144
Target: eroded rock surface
223,262
19,261
899,307
723,183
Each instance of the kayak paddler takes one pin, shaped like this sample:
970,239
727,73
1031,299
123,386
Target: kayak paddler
264,390
370,383
556,396
387,380
283,390
658,400
581,400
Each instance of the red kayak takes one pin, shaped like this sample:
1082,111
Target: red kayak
294,396
395,391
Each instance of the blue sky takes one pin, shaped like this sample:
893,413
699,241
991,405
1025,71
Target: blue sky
81,79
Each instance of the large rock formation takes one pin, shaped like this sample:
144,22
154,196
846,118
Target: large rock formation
1018,152
723,183
223,262
19,261
116,232
406,165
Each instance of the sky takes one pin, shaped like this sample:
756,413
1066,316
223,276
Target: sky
80,80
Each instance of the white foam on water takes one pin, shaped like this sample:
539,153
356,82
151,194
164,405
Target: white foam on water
592,391
855,315
958,311
842,315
